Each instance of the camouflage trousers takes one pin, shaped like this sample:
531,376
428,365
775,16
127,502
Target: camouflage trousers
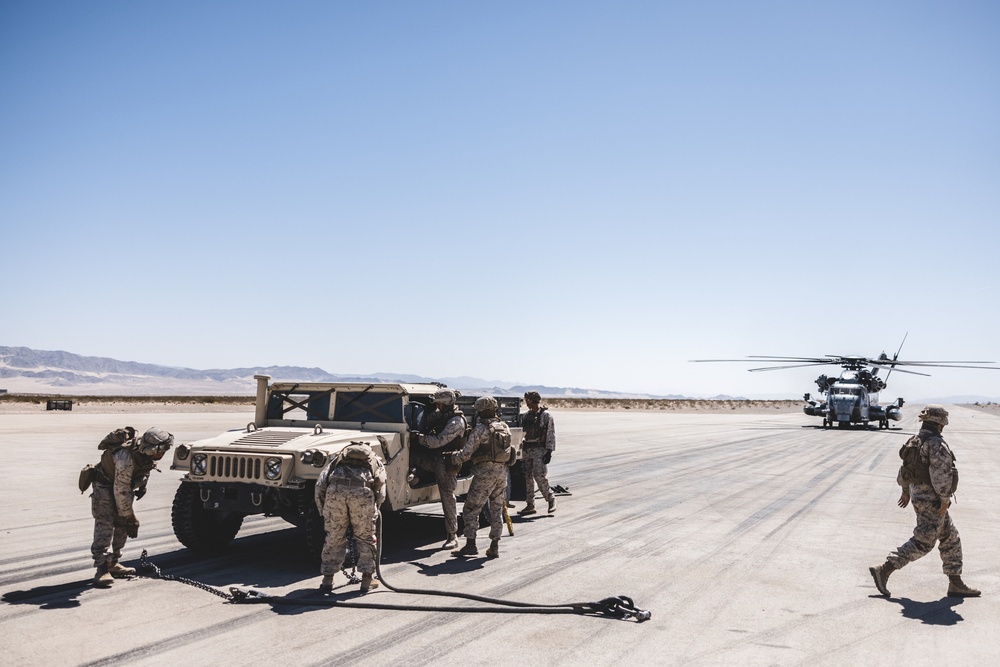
535,470
109,528
447,483
931,528
488,484
345,507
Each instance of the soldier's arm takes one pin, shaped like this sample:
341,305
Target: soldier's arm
122,484
380,482
940,462
451,430
320,494
471,445
550,432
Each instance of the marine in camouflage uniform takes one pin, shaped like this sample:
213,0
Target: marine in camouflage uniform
931,492
444,429
349,492
119,480
536,452
490,459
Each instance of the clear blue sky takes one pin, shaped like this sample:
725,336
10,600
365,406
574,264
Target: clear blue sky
562,193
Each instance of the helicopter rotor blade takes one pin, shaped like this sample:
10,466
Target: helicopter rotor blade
757,360
928,364
781,368
894,358
900,370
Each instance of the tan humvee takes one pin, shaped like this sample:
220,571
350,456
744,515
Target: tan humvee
271,466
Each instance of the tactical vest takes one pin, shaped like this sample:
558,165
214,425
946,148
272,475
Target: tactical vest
142,465
436,421
916,469
362,457
496,448
534,433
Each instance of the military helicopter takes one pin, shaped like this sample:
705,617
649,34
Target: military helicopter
852,398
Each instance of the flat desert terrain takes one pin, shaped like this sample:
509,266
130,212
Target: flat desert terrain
747,535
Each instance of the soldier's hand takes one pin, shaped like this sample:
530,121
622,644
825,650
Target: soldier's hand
415,437
132,527
547,457
945,504
140,492
904,499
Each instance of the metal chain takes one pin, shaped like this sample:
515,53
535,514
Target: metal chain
352,549
145,564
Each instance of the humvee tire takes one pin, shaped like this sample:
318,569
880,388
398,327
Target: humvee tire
315,534
517,488
198,528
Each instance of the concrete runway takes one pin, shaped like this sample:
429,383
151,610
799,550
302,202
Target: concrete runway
749,537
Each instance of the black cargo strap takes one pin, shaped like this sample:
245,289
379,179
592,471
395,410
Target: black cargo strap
619,607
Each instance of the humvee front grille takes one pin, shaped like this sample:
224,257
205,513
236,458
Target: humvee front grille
235,467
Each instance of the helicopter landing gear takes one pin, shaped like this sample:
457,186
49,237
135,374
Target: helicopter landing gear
883,424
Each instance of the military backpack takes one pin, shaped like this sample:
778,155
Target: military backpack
915,469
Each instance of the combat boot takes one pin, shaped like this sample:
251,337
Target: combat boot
367,583
526,510
327,586
958,589
451,542
880,575
468,550
552,503
103,578
118,570
494,550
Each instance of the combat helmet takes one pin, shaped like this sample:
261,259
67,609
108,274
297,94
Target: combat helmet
486,405
445,397
155,440
532,396
934,413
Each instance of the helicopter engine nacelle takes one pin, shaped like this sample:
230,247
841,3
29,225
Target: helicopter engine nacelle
815,410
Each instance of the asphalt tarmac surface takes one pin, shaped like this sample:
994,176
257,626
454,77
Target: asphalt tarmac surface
748,538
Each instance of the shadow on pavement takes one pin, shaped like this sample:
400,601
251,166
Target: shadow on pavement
937,612
62,596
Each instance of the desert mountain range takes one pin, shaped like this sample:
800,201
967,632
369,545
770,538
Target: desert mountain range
24,370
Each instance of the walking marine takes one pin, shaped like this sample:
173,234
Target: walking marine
929,478
444,430
348,494
118,480
536,451
489,448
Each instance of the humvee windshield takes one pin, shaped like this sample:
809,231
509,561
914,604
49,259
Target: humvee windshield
360,406
348,406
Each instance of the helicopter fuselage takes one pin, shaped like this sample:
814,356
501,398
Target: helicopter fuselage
850,401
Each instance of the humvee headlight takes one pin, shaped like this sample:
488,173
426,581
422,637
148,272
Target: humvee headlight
272,468
183,451
319,459
199,464
307,456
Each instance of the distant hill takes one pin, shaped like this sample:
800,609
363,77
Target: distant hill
25,370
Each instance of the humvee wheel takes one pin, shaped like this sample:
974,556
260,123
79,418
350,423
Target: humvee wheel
198,528
315,534
517,488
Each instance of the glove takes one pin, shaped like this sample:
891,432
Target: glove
415,437
547,457
132,526
140,492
